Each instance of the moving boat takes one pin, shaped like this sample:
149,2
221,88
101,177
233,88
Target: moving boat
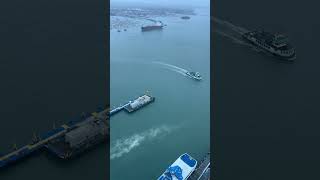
194,75
157,25
275,44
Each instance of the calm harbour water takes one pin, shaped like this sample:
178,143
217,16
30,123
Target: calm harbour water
145,143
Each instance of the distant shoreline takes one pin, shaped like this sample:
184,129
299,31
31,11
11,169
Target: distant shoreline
158,5
127,17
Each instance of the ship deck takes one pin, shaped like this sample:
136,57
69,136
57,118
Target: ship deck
181,168
129,109
267,38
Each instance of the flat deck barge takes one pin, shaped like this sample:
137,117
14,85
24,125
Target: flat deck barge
139,103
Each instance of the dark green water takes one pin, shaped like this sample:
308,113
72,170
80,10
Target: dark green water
145,143
267,112
52,69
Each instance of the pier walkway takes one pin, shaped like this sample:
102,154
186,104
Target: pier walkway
117,109
202,172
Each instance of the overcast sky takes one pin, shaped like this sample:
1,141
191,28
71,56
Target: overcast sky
177,3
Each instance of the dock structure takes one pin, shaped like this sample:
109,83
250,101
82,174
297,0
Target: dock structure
42,140
81,137
202,172
118,109
30,148
74,136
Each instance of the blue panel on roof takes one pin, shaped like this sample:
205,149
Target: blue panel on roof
188,160
176,171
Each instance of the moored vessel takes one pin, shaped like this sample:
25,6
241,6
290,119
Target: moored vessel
138,103
180,169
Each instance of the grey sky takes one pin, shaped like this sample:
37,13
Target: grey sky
178,3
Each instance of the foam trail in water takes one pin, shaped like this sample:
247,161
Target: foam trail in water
231,31
125,145
235,39
172,67
229,25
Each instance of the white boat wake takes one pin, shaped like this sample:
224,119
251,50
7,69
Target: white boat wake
231,31
233,38
172,67
229,25
125,145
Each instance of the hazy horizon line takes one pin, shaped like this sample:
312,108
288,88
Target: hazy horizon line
124,3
